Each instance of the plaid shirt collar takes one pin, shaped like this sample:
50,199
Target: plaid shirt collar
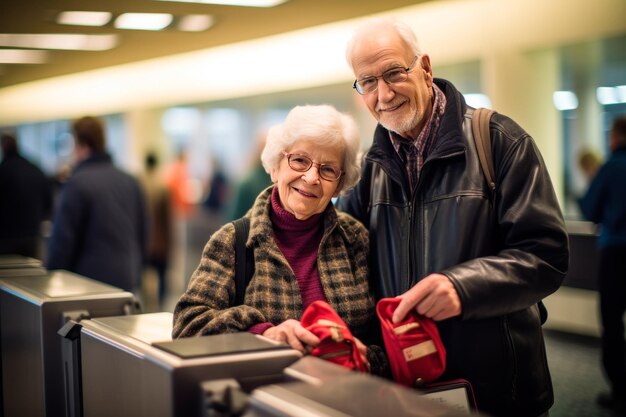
424,140
414,156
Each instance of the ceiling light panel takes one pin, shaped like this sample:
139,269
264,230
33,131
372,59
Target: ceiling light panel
245,3
195,22
22,56
63,41
84,18
143,21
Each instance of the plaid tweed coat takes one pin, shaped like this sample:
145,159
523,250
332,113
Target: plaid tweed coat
273,294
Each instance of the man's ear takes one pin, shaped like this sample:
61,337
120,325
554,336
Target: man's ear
428,70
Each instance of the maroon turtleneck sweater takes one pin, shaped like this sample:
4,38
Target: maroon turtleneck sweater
299,241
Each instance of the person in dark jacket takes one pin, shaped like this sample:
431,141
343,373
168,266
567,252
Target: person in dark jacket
100,221
304,250
605,203
159,208
475,263
25,201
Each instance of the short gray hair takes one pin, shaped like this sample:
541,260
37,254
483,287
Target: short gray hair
327,126
402,29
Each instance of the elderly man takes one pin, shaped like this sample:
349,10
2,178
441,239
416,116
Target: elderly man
477,265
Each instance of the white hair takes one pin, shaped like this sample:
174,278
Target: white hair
327,126
403,30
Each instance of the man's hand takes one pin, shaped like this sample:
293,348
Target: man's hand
434,297
292,332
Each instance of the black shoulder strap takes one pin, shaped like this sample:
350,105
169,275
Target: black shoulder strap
244,259
482,137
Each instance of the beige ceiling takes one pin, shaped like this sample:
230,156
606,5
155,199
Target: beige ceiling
232,24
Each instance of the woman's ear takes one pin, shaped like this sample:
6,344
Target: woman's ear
339,188
273,175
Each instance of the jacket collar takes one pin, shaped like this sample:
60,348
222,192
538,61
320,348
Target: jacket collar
261,229
449,139
96,158
620,150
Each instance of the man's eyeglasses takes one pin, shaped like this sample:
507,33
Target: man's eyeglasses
368,85
303,163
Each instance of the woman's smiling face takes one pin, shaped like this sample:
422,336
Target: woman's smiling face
306,193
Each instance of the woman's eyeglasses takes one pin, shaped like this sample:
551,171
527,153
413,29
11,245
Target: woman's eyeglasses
303,163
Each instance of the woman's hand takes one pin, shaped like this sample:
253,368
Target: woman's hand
292,332
362,351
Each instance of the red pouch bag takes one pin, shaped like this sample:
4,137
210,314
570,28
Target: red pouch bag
337,343
414,348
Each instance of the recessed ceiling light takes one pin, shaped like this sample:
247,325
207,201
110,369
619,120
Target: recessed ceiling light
143,21
64,41
621,93
84,18
195,22
22,56
246,3
565,100
607,95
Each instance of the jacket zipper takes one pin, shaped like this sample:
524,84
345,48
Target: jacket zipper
416,266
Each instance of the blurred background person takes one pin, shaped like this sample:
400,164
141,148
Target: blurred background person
99,225
25,201
605,203
182,191
255,181
217,190
159,231
589,162
180,187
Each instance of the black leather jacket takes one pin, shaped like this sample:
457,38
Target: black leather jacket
502,257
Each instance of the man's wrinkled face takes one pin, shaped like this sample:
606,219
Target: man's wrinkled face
401,107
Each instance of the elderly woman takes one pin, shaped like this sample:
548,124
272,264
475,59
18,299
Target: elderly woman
304,250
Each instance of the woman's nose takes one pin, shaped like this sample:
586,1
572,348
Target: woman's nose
312,176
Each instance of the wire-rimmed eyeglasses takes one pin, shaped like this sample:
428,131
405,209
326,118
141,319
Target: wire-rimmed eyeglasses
394,75
302,163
